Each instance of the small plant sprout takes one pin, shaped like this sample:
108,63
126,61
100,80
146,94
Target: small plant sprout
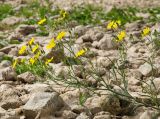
23,60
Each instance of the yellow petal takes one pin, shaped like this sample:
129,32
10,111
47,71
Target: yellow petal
22,50
61,35
31,41
35,48
15,63
42,21
51,44
48,61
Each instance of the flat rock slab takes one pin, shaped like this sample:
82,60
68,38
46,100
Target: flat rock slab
42,103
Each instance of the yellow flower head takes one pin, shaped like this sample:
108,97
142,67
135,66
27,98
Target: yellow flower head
22,50
51,44
31,41
14,63
81,52
146,31
63,13
121,35
113,24
35,48
48,61
61,35
42,21
32,60
37,55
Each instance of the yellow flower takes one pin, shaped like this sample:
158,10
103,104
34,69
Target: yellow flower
35,48
51,44
14,63
37,55
113,24
22,50
32,60
81,52
61,35
31,41
42,21
48,61
121,35
63,13
146,31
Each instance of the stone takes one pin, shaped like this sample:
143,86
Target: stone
79,40
91,80
1,56
26,29
96,36
102,117
13,52
144,15
5,63
57,53
107,43
42,103
86,38
142,98
9,74
145,69
7,49
134,26
26,77
9,99
62,71
136,74
109,103
78,70
105,62
2,112
94,104
70,97
83,116
77,109
69,114
134,81
11,20
95,44
15,36
147,115
38,87
93,34
4,87
154,85
70,51
79,30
